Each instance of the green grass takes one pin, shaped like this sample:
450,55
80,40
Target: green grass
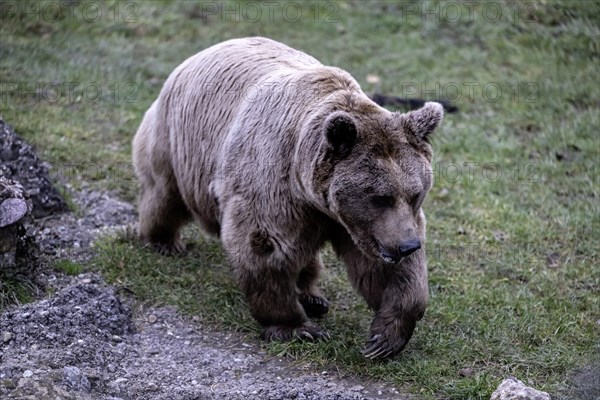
16,288
69,267
513,221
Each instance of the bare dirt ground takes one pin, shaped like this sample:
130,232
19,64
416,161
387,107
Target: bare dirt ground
91,341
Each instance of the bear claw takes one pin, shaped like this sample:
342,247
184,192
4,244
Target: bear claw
307,331
171,249
379,347
314,306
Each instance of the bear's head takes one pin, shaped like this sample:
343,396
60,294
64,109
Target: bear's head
380,176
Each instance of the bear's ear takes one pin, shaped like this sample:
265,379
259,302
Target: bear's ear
420,123
340,130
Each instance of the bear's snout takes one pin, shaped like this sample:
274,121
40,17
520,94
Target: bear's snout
404,249
408,247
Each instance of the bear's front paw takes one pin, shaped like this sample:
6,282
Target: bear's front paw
382,346
314,306
388,336
306,331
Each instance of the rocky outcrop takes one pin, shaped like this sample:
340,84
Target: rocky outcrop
15,207
20,163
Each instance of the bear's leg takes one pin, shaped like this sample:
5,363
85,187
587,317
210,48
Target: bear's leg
398,294
161,210
314,303
271,294
162,213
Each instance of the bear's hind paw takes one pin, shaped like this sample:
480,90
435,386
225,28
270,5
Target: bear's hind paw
168,249
307,331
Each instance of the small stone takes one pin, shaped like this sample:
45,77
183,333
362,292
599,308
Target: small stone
237,360
194,382
152,387
552,260
465,372
86,281
534,155
28,373
514,389
499,236
152,318
6,337
74,378
111,368
373,79
153,351
357,388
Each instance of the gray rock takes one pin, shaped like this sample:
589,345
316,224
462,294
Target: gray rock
20,163
11,211
14,208
6,337
513,389
75,379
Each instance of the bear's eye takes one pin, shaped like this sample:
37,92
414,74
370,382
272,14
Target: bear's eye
383,201
415,200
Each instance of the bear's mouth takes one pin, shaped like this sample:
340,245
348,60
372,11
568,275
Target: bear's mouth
385,255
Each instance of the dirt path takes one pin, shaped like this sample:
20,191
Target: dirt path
85,342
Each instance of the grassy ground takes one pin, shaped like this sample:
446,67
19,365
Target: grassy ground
513,215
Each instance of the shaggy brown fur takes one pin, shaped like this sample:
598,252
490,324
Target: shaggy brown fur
277,154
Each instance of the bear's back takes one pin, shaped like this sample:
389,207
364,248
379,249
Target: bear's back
202,99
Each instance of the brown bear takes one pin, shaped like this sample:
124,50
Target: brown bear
277,155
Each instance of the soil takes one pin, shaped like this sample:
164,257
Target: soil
85,342
88,340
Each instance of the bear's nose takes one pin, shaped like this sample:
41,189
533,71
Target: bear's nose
408,247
